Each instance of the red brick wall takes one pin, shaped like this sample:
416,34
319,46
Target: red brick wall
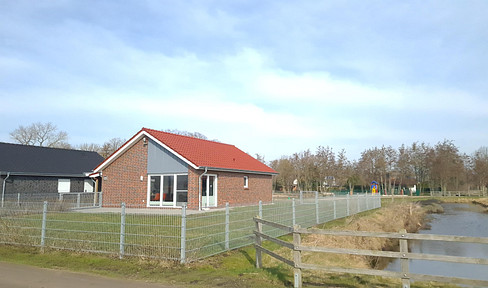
230,188
193,188
122,178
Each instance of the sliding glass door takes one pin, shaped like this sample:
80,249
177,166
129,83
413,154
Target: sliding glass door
162,191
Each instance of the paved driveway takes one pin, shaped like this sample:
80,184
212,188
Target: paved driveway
22,276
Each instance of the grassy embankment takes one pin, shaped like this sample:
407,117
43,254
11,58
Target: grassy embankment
236,268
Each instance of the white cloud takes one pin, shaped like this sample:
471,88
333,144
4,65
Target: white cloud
274,79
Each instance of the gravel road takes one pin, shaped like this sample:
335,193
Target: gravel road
23,276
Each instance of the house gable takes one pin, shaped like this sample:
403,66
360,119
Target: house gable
161,161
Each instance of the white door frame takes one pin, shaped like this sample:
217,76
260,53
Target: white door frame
206,200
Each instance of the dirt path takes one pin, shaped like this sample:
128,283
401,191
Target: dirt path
23,276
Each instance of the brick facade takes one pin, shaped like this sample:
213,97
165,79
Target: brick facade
122,178
230,188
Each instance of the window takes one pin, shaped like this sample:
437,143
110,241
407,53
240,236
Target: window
246,182
64,185
181,189
168,190
88,185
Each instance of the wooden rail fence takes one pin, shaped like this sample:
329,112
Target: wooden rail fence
403,254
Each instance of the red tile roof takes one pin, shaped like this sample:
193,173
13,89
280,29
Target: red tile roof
204,153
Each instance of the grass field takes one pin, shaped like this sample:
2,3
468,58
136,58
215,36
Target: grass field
230,269
160,236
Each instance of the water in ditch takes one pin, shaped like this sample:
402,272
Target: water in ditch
457,219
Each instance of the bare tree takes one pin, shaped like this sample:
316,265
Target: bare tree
480,167
92,147
187,133
447,166
111,146
420,157
403,165
325,162
284,180
40,134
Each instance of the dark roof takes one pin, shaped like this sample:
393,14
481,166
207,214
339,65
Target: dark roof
35,160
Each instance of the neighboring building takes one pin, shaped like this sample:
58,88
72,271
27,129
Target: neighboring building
34,169
159,169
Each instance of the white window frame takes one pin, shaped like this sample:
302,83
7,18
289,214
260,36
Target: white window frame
246,181
163,204
63,185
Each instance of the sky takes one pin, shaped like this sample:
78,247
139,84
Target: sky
270,77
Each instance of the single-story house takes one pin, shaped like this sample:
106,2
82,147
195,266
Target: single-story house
160,169
35,169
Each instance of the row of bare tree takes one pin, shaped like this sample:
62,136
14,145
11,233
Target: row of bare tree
47,135
436,168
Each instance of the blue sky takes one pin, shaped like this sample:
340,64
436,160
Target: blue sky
271,77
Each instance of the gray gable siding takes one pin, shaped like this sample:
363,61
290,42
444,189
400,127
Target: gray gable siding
161,161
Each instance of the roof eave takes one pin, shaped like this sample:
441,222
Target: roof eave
237,170
131,142
39,174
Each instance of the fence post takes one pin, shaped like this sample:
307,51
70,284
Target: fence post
367,200
122,231
260,209
78,200
347,206
404,260
359,207
293,213
60,197
301,197
317,218
259,229
297,258
100,195
183,235
335,209
43,227
18,199
227,224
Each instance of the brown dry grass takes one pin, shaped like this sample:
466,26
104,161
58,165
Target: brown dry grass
482,201
393,218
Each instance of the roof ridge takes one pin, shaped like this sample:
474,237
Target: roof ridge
46,147
185,136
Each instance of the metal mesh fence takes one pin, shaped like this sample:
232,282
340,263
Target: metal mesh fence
173,234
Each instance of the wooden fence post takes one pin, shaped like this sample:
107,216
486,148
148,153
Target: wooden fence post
404,261
297,258
259,228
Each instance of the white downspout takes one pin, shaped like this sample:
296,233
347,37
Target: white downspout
200,189
3,189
